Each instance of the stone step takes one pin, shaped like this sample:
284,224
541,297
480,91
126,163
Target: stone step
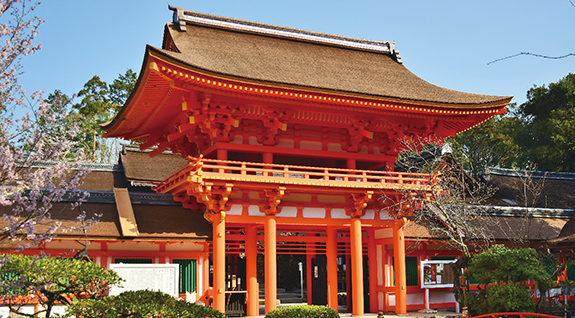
284,297
292,300
263,302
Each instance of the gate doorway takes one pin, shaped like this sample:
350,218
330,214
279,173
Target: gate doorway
319,280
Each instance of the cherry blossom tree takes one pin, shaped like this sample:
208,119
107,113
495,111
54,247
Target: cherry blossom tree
39,164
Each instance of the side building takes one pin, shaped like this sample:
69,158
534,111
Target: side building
133,223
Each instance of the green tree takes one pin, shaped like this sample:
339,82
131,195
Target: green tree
99,102
492,143
503,274
549,116
52,280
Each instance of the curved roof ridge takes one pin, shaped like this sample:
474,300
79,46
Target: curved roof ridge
181,16
534,173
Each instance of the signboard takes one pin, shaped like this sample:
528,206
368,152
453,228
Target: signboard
155,277
436,274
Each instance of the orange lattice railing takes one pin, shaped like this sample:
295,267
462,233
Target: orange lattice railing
519,314
200,169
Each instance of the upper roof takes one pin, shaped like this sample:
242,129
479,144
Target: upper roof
279,55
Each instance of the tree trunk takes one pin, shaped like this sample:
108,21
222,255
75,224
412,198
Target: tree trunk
457,268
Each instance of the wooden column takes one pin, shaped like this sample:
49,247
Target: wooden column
356,267
222,154
351,163
270,263
206,270
400,278
331,251
219,238
253,306
372,259
268,157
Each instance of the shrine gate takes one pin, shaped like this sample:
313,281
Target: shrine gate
292,137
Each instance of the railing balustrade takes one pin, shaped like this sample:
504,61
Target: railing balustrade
267,172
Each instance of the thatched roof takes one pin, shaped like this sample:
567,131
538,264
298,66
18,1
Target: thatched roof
507,228
285,56
165,223
557,189
140,167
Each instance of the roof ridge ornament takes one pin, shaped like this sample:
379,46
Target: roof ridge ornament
182,16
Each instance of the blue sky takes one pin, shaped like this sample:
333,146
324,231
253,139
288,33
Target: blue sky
445,42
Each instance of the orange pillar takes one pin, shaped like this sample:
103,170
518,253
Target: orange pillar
206,270
270,263
400,276
310,254
356,267
253,306
331,251
219,237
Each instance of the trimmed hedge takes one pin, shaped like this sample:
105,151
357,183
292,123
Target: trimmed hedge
140,304
304,311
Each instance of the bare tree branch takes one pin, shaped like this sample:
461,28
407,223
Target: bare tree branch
533,54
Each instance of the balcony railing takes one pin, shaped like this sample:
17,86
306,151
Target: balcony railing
199,170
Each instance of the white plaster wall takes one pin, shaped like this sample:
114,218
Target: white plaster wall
441,296
235,209
338,214
369,215
317,213
253,140
288,212
310,145
417,298
238,139
414,299
286,143
384,215
254,210
334,147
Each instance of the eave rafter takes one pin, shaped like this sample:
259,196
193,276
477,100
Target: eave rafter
195,79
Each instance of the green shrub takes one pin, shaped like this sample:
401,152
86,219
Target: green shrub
140,304
501,298
304,311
